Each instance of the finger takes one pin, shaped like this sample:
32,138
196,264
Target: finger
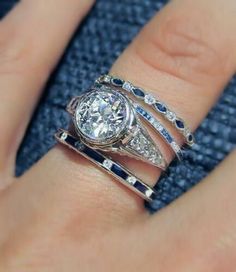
195,234
198,231
181,63
32,38
200,227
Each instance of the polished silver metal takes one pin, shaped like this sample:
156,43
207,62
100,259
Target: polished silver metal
106,120
160,129
112,167
148,99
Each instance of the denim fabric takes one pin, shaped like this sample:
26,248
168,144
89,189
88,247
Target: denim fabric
107,30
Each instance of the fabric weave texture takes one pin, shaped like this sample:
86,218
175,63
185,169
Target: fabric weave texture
104,34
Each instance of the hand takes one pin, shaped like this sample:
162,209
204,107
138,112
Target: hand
64,214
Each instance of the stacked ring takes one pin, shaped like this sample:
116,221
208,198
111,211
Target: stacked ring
107,120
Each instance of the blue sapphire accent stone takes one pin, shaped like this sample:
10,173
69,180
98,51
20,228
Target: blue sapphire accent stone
93,154
139,186
117,82
190,138
71,141
139,110
166,134
138,92
160,107
148,116
145,114
116,169
179,124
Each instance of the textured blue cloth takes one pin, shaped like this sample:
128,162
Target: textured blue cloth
108,29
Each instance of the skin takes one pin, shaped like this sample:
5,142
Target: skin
66,215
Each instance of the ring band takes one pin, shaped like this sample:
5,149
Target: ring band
150,100
115,169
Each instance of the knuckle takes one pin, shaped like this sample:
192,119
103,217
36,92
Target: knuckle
11,52
17,56
180,49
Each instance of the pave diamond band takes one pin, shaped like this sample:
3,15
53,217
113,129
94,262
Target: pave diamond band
115,169
160,129
106,120
150,100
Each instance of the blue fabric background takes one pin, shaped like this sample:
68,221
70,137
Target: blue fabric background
107,30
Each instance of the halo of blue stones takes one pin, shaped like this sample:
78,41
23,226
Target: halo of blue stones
94,113
158,106
112,167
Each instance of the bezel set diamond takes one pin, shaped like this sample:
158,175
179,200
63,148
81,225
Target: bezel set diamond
106,120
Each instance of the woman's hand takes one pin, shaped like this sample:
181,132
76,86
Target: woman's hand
66,215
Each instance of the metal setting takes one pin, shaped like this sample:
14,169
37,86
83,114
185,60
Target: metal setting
150,100
160,129
110,166
106,119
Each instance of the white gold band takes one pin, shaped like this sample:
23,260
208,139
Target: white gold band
110,166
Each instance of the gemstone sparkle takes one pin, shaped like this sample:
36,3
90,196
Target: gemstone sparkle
101,115
131,180
149,99
107,164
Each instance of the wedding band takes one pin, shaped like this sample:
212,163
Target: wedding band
150,100
160,129
110,166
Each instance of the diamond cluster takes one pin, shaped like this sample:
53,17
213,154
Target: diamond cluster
101,115
145,148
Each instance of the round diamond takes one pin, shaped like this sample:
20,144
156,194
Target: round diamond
131,180
149,99
107,164
127,86
101,115
170,116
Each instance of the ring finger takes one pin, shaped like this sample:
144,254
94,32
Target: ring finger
186,64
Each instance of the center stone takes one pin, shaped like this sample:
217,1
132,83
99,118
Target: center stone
101,115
